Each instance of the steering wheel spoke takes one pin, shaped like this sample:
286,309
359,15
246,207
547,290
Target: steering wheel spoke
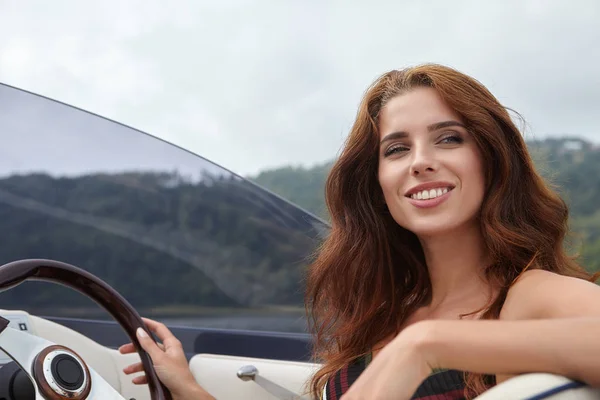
56,372
101,389
22,348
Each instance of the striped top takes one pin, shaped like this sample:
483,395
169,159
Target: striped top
440,385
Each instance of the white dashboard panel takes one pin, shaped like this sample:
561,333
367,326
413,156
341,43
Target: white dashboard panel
19,320
107,362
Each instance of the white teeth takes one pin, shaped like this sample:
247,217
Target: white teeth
429,194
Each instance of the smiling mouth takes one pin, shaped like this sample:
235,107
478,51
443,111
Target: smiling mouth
429,194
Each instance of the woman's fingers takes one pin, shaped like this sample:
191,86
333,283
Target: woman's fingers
163,333
127,348
149,345
152,325
133,368
130,348
140,380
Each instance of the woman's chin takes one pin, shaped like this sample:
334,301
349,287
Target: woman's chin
432,227
432,231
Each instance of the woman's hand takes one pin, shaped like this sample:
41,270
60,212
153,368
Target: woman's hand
169,362
398,370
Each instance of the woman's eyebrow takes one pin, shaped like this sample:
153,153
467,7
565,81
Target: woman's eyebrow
430,128
393,136
445,124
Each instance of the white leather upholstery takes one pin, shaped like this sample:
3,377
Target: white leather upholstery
529,385
218,375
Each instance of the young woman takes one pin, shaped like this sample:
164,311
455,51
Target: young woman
444,272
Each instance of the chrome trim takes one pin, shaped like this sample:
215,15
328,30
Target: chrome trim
247,373
55,385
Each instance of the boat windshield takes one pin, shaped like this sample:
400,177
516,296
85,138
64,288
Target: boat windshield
182,239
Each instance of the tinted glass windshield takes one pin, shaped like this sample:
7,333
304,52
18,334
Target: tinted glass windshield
177,235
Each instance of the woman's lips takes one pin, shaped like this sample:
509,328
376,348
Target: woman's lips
422,203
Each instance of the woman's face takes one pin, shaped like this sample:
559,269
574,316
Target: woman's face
430,168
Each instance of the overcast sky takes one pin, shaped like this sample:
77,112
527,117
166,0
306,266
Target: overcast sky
260,84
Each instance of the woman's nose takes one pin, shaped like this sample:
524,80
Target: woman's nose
423,163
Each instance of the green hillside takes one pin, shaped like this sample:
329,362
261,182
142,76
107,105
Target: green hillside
159,240
572,165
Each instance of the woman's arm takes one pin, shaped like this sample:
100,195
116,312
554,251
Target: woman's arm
549,323
565,346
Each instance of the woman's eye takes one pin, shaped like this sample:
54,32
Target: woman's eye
394,149
452,139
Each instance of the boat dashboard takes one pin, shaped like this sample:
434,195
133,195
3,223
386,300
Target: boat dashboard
227,376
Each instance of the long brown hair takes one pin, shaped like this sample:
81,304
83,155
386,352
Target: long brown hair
370,274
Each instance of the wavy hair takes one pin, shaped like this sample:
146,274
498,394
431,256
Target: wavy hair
370,275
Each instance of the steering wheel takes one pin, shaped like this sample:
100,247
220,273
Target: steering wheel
57,372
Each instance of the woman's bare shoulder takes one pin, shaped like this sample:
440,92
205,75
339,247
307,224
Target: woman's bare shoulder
543,294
